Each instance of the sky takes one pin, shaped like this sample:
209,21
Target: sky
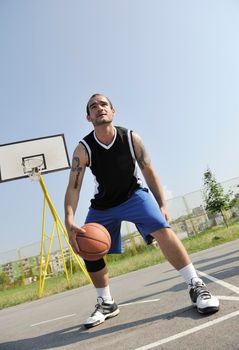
170,68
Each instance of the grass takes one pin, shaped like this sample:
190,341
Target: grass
132,260
212,238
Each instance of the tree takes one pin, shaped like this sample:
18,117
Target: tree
234,201
215,199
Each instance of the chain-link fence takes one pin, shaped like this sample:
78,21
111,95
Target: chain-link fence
187,214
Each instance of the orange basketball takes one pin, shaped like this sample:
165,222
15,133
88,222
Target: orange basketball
94,243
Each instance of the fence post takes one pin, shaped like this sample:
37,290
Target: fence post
188,213
21,267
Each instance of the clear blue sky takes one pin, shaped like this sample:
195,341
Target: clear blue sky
170,68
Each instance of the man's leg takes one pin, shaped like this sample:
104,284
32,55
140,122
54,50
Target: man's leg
105,307
172,248
100,279
176,254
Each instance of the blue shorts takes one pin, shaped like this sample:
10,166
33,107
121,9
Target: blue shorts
141,209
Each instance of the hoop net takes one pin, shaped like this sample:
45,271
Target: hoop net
32,167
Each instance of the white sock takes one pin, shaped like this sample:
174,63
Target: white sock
104,293
188,273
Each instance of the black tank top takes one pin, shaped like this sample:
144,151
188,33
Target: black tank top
113,167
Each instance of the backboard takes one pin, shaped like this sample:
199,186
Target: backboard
48,154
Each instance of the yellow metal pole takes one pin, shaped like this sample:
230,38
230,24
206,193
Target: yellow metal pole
77,258
49,202
63,229
42,247
82,266
63,255
47,260
71,264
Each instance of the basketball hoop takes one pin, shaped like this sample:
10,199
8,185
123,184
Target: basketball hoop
32,158
32,167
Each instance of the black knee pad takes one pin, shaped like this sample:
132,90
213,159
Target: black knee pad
94,266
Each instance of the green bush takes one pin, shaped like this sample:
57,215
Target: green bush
5,281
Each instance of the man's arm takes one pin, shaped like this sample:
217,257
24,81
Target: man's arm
149,173
79,162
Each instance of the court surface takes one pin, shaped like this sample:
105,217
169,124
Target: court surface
155,312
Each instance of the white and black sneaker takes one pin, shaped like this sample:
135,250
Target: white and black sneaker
205,302
103,310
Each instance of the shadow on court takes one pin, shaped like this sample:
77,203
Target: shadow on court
222,273
173,289
212,263
77,334
202,261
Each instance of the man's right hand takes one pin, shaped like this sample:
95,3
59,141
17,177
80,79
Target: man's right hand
72,230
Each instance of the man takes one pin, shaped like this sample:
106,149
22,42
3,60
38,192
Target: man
112,154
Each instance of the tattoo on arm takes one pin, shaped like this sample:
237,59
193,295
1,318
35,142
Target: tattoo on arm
76,168
143,158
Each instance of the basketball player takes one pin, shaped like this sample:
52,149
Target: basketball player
112,154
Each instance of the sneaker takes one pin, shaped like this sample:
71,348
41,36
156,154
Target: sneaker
103,310
205,302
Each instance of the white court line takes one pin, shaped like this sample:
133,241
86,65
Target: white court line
222,283
60,318
189,331
225,297
139,302
52,320
205,325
